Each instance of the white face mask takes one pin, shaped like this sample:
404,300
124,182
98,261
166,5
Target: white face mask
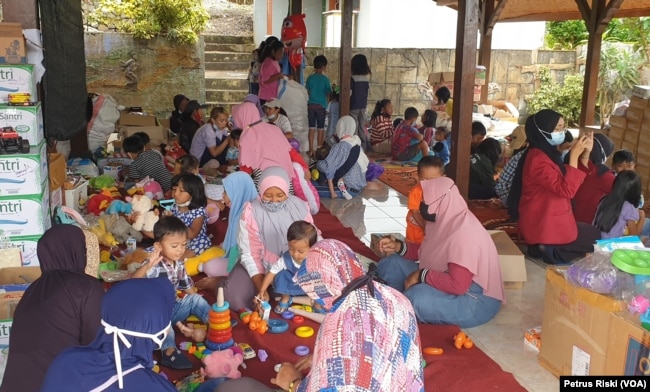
120,335
272,117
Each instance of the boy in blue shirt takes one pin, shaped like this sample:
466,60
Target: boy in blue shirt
319,88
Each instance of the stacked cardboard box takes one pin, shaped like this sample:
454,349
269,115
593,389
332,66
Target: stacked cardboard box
24,192
439,79
632,132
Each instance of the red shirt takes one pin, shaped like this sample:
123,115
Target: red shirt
591,192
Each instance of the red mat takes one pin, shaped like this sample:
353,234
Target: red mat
455,370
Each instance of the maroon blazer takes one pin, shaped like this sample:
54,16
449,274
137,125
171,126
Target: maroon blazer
591,192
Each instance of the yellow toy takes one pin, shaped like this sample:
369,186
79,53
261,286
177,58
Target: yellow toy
105,238
192,264
105,256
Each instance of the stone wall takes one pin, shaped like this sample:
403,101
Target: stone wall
145,73
401,74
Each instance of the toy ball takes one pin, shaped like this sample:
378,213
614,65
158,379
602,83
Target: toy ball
315,174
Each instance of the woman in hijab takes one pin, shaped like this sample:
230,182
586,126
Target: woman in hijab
264,222
121,356
598,183
369,339
176,118
346,164
542,190
238,190
254,99
453,283
60,309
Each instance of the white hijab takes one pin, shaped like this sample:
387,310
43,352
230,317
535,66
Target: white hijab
345,130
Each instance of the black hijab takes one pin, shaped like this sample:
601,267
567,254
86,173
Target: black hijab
603,148
63,247
545,120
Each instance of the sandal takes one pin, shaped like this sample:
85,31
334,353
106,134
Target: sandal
282,307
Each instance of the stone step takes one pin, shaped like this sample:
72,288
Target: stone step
227,57
226,84
226,105
236,48
225,95
223,39
229,66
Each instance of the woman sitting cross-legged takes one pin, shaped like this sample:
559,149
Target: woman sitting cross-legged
458,279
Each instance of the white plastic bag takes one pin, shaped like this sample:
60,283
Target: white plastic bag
294,98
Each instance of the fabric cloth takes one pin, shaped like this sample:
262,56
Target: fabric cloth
285,269
359,85
581,245
201,242
257,138
263,231
504,182
268,68
629,213
188,305
595,186
455,223
414,232
381,129
345,130
354,178
404,136
61,309
545,211
441,150
174,271
150,164
319,88
427,134
150,303
281,122
206,137
369,339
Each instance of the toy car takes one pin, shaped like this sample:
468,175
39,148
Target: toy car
248,351
11,142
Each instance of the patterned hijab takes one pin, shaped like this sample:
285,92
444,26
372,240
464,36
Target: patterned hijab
369,338
67,247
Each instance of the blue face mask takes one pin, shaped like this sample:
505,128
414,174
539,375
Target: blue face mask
557,138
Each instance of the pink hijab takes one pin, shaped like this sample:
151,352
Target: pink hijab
262,145
458,237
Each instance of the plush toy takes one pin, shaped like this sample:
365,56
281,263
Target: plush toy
147,218
222,363
120,228
294,38
213,211
102,182
132,261
98,203
151,188
189,331
105,238
119,207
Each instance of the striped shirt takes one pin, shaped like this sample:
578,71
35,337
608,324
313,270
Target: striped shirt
174,271
150,163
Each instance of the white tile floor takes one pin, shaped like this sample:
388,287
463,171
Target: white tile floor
502,338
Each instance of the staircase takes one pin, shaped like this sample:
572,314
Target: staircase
227,60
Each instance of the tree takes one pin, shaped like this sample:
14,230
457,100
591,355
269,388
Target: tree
564,98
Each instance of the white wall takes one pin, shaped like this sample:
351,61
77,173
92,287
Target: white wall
280,8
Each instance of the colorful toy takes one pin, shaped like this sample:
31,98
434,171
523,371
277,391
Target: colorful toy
248,350
301,350
98,203
147,218
150,188
222,364
220,331
102,182
298,319
119,207
213,211
432,350
638,304
192,264
277,326
462,340
120,228
11,142
636,262
294,38
262,355
287,315
185,345
105,238
304,332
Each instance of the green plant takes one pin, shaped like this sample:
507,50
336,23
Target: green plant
565,35
618,73
565,98
179,20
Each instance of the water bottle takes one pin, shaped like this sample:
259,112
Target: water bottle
131,245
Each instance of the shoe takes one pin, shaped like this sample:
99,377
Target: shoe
176,360
283,306
344,191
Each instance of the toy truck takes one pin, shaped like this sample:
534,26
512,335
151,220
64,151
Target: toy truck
11,142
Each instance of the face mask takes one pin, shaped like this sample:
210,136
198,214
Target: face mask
272,117
272,206
424,208
186,204
564,154
641,202
120,335
557,138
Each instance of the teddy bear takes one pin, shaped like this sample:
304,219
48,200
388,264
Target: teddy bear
120,228
146,218
132,261
222,363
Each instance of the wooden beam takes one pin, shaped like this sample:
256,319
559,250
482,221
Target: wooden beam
485,58
591,79
608,13
585,11
269,17
465,68
296,7
345,56
494,17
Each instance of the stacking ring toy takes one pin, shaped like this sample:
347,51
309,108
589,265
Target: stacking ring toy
223,308
218,336
219,346
221,326
288,315
219,318
234,322
298,319
301,350
304,332
277,326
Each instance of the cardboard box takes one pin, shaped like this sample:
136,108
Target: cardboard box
631,136
638,103
10,279
25,215
576,325
628,353
157,134
26,120
136,120
57,170
477,94
634,125
439,79
17,79
77,197
479,75
12,44
616,133
618,121
641,92
634,114
24,174
513,263
27,246
628,146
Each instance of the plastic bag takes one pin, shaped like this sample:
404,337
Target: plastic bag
374,171
596,273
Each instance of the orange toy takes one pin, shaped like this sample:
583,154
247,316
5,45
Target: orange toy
462,340
219,334
432,351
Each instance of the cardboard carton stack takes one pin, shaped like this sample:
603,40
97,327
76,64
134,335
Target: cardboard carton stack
632,132
24,186
439,79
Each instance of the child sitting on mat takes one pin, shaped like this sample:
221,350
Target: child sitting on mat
301,236
429,167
